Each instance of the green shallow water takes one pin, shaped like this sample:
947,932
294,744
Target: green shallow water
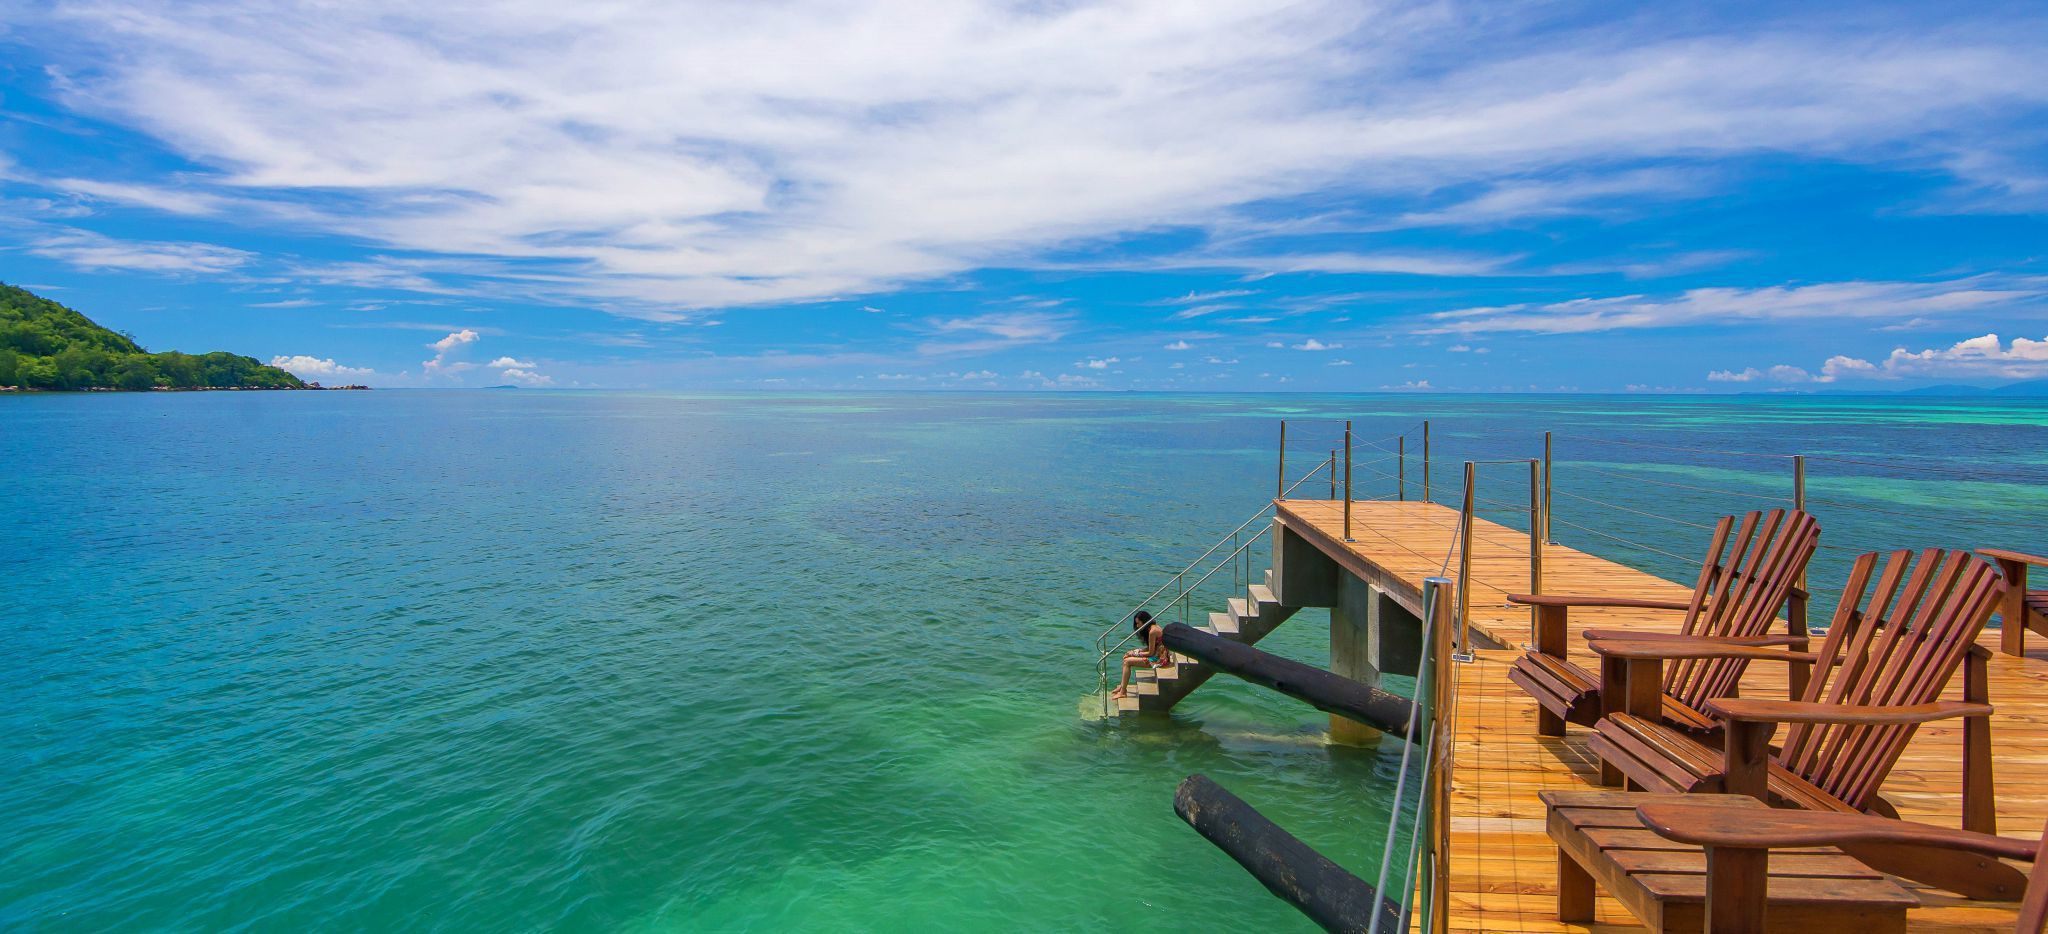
645,661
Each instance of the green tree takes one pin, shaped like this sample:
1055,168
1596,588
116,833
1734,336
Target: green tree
135,373
8,368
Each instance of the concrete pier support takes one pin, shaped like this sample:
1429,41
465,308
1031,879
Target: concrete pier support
1369,634
1302,574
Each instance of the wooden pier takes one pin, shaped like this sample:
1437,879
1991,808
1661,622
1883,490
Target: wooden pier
1503,867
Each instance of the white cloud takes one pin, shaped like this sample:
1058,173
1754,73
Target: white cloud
1984,357
1726,305
320,369
1313,345
1180,345
1340,363
448,345
1219,361
453,340
509,362
88,250
286,303
978,374
1095,363
662,155
1274,345
529,378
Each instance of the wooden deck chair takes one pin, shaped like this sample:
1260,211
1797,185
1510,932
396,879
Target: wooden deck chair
1738,848
1747,577
2022,609
1878,676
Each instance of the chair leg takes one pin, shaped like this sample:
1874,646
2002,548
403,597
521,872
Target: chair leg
1737,880
1574,889
1980,811
2012,609
1548,724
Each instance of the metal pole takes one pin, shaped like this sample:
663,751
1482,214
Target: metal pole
1401,466
1425,460
1465,567
1347,481
1535,539
1546,486
1280,488
1333,473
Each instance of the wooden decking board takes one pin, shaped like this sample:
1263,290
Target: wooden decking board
1503,872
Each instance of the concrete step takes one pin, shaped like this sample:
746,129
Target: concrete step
1223,624
1243,609
1262,595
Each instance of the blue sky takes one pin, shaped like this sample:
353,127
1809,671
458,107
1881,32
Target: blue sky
1148,195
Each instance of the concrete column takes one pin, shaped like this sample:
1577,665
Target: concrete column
1355,620
1302,574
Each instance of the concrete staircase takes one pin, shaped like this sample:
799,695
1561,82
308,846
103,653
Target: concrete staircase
1247,620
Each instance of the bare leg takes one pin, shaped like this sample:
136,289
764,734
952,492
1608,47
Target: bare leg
1123,685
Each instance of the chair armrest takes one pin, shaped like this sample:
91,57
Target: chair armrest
1749,828
2020,556
1624,635
1749,710
1545,599
1694,648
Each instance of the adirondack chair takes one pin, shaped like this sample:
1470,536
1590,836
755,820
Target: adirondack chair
1738,848
1746,577
1878,676
2023,609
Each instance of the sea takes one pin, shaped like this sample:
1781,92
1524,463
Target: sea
618,661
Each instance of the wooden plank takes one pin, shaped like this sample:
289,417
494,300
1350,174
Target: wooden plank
1504,869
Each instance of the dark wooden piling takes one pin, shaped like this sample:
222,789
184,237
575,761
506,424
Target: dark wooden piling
1287,867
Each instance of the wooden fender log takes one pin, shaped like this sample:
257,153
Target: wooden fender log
1287,867
1322,690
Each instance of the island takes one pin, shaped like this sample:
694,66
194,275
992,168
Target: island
47,346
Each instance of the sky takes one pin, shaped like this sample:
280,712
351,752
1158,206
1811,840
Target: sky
1171,195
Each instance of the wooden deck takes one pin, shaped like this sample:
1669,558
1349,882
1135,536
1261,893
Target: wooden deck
1503,866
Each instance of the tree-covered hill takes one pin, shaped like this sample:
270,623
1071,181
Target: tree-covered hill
44,345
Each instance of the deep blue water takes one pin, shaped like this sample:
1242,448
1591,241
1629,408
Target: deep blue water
517,660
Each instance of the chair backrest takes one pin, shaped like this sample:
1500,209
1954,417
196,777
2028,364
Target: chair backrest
1899,648
1747,576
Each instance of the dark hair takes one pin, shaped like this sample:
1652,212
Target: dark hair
1139,621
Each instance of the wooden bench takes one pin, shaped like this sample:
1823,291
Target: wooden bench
1664,883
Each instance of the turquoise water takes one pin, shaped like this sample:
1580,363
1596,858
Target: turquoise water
476,660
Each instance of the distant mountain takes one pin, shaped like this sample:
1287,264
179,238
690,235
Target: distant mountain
44,345
2026,389
1948,389
2032,387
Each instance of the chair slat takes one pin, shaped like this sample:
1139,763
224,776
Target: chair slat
1899,648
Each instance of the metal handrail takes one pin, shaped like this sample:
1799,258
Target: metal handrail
1102,657
1226,537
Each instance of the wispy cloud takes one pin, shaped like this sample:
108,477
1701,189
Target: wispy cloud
994,331
1728,305
88,250
650,158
